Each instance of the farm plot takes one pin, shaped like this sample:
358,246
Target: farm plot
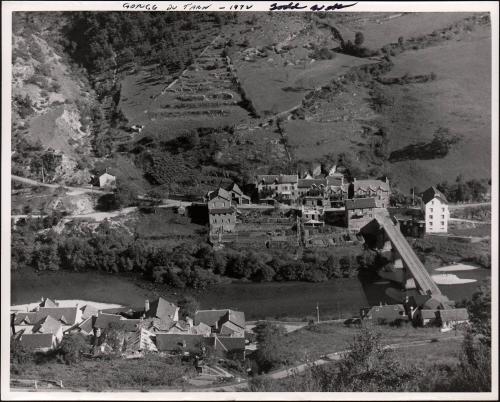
280,82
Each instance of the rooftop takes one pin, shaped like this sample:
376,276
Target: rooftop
360,203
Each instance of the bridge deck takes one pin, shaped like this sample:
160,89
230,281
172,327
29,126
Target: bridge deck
410,259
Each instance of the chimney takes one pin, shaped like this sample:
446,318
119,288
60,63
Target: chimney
189,322
146,306
386,179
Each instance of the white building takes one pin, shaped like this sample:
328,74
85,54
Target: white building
436,211
107,181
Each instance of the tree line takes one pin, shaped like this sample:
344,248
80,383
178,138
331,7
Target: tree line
188,265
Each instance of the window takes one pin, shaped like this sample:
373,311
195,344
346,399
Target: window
442,223
432,209
430,223
442,216
431,217
442,209
432,202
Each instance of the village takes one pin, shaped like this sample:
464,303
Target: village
292,211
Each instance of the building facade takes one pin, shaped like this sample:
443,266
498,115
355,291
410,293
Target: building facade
436,211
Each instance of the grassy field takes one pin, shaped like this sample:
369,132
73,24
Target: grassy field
105,375
314,341
384,28
275,87
457,100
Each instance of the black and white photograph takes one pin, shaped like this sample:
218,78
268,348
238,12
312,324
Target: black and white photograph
264,200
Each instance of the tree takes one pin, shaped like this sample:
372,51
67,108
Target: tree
270,351
188,306
359,39
367,367
72,346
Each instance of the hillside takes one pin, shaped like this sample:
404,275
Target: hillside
210,98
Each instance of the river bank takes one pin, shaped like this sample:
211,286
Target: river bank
339,298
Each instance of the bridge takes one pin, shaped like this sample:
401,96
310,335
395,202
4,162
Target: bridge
411,262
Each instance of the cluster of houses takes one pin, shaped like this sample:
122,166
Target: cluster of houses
156,327
329,199
422,315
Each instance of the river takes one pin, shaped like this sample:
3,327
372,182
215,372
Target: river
335,299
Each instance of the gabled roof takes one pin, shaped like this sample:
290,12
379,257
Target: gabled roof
37,341
235,189
48,303
86,326
220,192
212,317
103,320
209,317
361,203
201,329
47,325
140,340
455,314
277,178
371,185
157,325
230,327
67,315
163,309
308,183
230,343
28,318
431,193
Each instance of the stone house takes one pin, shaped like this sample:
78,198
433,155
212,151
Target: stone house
285,186
359,212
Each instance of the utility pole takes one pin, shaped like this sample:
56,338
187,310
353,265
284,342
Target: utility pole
317,312
43,176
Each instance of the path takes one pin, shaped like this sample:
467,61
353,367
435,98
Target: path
76,189
469,221
471,205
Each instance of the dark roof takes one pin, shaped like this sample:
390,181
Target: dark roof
130,325
171,342
406,213
362,203
212,317
87,325
433,192
35,341
221,211
220,192
103,320
209,317
30,318
456,314
67,315
308,183
162,309
230,343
